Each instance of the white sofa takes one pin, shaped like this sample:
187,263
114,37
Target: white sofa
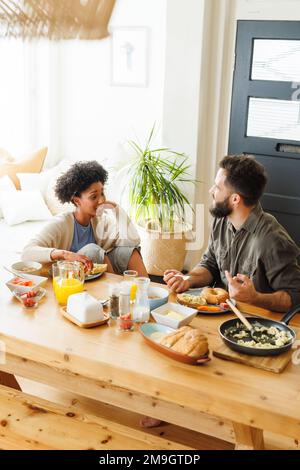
14,238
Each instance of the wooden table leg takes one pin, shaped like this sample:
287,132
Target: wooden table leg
247,437
9,380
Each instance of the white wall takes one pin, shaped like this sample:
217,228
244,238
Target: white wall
182,78
96,117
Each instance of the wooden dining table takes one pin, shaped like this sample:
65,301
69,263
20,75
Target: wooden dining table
220,398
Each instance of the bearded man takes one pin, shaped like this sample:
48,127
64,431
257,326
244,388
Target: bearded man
249,252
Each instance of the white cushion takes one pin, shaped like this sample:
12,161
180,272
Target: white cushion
6,184
38,181
19,206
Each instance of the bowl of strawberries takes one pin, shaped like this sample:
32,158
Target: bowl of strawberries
31,298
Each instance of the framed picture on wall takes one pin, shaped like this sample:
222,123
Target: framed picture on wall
129,56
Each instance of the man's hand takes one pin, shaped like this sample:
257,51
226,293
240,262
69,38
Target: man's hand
174,281
241,288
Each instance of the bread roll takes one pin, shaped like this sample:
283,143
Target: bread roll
171,338
188,341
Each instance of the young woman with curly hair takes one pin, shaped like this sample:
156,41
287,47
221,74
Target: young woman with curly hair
97,231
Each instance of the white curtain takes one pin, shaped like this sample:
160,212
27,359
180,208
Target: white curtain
24,95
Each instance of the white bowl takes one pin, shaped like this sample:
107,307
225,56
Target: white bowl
161,296
27,267
185,315
36,281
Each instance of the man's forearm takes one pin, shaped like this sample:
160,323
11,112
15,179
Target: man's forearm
278,302
200,277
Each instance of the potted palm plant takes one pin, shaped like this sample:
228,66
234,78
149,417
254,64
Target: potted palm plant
158,204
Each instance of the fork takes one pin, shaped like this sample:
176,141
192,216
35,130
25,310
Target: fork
183,276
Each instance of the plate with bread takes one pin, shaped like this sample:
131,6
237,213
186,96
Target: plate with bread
207,300
186,344
97,271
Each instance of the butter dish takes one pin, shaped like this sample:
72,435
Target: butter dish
84,308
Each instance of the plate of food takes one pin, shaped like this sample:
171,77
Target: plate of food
185,344
97,271
207,300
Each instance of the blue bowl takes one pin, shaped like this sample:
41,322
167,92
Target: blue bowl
157,296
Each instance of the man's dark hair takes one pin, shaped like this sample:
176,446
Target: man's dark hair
245,176
79,178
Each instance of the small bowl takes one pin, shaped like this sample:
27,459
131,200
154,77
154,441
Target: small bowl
30,302
125,322
36,282
161,296
27,267
167,315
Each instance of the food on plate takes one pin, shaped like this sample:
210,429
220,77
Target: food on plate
265,337
191,300
171,338
188,341
97,269
224,306
209,308
214,295
18,281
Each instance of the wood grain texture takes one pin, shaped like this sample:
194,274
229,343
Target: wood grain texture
122,365
274,364
49,424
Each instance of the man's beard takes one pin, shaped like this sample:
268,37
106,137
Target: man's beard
221,209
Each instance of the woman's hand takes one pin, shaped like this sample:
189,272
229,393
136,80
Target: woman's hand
175,282
85,260
57,255
107,205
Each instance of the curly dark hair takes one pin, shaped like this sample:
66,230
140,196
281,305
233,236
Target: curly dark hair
246,176
79,178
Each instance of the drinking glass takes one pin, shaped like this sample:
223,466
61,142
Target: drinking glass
130,275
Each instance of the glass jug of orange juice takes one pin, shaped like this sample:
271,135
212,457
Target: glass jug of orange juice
68,278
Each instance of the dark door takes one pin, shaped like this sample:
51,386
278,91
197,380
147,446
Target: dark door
265,111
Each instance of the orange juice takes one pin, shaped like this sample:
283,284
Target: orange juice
65,287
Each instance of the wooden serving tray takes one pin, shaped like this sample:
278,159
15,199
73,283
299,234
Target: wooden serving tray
84,325
274,364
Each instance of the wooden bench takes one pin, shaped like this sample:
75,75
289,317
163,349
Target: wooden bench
42,417
59,420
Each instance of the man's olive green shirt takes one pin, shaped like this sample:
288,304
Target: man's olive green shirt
261,249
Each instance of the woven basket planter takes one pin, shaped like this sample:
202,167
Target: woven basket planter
163,250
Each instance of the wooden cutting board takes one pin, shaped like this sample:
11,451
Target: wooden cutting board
271,363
